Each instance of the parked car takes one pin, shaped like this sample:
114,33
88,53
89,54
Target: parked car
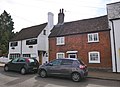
64,67
23,65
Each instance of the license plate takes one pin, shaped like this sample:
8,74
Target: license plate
35,68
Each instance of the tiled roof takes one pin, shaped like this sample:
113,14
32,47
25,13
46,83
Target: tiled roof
81,26
30,32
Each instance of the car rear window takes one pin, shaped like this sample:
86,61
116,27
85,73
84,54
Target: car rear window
81,62
77,62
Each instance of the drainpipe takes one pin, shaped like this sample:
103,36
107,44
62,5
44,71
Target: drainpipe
114,45
21,49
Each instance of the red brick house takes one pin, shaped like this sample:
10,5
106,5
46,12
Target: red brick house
88,39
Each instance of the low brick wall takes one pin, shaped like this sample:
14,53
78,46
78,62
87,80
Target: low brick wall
100,69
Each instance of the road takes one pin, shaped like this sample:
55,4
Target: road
14,79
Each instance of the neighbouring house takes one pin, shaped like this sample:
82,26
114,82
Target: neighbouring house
32,41
88,39
113,10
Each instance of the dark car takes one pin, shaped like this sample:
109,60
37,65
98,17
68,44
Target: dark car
64,67
23,65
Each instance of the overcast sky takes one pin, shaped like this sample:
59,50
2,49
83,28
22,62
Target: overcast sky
26,13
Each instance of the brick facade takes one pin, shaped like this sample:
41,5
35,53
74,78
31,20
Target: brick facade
79,42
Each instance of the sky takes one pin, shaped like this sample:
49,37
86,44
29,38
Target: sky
27,13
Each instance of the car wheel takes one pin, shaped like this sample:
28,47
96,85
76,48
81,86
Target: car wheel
76,77
43,74
23,71
6,68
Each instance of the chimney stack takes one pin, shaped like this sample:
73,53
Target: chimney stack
50,19
61,17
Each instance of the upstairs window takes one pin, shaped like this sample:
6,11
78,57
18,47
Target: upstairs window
60,40
13,44
44,32
31,42
93,37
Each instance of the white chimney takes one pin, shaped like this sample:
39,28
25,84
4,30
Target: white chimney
50,20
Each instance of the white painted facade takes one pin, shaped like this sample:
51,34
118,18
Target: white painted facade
114,23
33,50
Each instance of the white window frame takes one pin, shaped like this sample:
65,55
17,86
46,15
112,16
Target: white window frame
92,35
60,53
60,40
72,54
94,61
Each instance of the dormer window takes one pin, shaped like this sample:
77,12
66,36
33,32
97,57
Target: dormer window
31,42
13,44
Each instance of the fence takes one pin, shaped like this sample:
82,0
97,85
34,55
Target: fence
4,59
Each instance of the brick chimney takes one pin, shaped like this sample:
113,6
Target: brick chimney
61,17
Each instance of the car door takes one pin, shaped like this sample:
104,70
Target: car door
66,67
13,65
21,63
54,69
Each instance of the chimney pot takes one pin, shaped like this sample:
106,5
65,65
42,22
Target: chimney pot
60,10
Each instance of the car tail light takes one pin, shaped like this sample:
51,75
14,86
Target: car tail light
82,67
27,60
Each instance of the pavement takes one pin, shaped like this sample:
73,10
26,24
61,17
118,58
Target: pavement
98,75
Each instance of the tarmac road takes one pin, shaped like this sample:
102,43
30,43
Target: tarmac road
14,79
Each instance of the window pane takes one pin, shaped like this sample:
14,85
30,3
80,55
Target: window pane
90,37
95,37
72,55
60,55
13,44
60,40
31,42
56,62
94,57
67,62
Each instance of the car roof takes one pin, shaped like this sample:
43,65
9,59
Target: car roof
69,58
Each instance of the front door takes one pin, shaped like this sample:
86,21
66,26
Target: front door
40,56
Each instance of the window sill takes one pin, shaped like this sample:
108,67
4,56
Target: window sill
94,62
94,42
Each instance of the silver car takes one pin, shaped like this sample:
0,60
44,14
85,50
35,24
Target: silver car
64,67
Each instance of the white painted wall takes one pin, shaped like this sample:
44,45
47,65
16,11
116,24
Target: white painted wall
117,43
112,48
42,42
17,48
27,50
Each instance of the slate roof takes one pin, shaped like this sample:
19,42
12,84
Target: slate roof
29,32
81,26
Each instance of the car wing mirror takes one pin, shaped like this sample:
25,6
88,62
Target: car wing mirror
50,64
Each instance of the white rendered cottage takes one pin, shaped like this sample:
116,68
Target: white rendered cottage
32,41
113,10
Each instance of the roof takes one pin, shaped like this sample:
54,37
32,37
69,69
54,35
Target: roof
81,26
29,32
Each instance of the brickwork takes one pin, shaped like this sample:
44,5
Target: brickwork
80,43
